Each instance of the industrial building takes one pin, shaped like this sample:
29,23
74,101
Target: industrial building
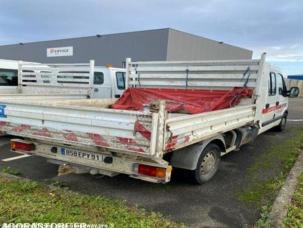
149,45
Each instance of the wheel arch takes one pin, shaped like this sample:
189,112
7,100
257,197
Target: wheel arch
187,158
220,143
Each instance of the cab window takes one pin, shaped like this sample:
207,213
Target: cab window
8,77
272,84
98,78
281,84
120,78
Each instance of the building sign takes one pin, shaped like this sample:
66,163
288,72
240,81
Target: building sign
60,51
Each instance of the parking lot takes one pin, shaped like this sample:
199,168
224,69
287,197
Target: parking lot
212,204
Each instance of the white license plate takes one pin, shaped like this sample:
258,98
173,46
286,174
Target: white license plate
81,154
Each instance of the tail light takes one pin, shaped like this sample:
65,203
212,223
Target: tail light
21,145
151,171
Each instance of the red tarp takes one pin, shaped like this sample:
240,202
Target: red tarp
182,100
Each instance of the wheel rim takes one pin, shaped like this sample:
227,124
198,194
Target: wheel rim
208,163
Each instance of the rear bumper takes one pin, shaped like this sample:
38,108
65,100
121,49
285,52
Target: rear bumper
106,163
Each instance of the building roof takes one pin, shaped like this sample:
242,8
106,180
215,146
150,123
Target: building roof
128,33
295,77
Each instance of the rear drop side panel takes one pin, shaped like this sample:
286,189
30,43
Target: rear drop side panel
112,130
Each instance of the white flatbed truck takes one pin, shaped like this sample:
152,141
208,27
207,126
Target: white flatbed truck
89,137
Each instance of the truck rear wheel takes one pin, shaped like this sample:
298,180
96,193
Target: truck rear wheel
208,164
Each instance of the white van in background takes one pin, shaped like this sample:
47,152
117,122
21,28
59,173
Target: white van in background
84,80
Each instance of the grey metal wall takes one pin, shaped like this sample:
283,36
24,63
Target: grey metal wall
159,44
107,49
185,46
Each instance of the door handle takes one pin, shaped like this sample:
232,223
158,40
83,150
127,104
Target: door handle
117,96
96,89
277,103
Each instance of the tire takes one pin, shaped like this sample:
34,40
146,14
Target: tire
282,126
207,166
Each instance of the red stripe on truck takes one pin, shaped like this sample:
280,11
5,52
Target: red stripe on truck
21,127
43,132
139,127
172,142
70,136
130,144
126,141
273,108
3,123
98,139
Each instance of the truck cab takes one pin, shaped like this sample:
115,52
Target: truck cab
275,99
8,76
108,82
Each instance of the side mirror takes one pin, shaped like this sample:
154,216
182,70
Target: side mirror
293,92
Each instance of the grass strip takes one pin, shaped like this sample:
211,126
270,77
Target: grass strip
268,174
294,216
25,201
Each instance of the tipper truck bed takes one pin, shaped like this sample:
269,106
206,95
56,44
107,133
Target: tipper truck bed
89,136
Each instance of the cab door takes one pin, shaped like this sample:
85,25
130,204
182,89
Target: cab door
269,110
282,98
119,83
101,86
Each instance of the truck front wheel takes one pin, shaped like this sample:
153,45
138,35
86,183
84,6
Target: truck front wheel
207,165
282,125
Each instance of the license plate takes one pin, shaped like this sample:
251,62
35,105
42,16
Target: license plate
80,154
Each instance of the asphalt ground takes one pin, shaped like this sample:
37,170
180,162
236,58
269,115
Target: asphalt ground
212,204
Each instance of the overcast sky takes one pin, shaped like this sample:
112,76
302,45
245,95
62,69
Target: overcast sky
273,26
